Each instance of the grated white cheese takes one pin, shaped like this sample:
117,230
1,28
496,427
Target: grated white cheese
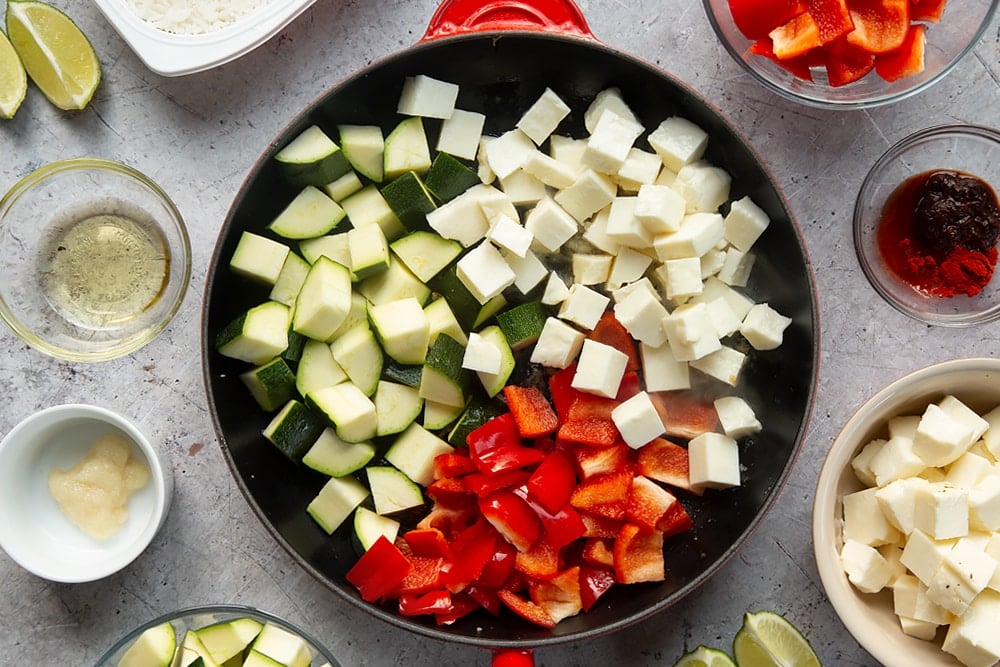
193,17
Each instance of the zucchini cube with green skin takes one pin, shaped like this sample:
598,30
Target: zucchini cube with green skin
294,429
396,282
425,253
285,647
442,320
392,490
271,384
414,451
226,639
335,501
369,526
312,158
258,258
443,380
350,411
448,177
343,187
438,416
289,281
406,149
522,324
369,251
193,653
364,147
410,200
493,383
403,329
360,356
323,301
256,336
317,368
367,206
155,647
396,406
310,214
335,457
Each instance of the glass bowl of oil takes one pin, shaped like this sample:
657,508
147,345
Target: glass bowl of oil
95,259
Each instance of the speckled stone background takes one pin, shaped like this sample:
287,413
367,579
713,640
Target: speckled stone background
199,135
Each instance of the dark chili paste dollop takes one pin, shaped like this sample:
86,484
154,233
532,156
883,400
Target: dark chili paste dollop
938,233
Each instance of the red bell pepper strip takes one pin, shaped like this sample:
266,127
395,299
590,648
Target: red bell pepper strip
595,581
512,517
562,392
448,489
832,18
686,416
675,521
611,332
927,10
532,412
526,609
471,550
648,503
497,569
552,482
541,561
795,38
433,602
756,18
801,67
461,605
452,464
486,597
424,576
908,59
496,446
562,527
597,551
512,658
604,495
638,555
846,64
592,461
666,462
427,542
482,484
379,570
589,431
559,596
599,526
451,519
879,25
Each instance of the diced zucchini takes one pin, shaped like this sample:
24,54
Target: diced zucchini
442,320
425,253
410,200
360,355
522,324
403,374
493,383
227,639
289,282
350,411
392,490
294,429
317,368
396,406
402,328
448,177
258,257
443,379
258,335
397,282
192,653
413,453
296,342
336,501
356,316
367,206
155,647
369,251
369,526
406,149
312,158
340,189
323,301
364,146
312,213
476,413
285,647
271,384
467,309
257,659
438,415
333,456
332,246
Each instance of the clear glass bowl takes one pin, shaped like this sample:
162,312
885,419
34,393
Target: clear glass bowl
948,41
198,617
95,257
968,148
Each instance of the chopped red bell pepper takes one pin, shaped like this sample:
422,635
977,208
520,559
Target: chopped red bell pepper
683,415
879,25
846,64
471,550
562,392
541,561
448,489
559,596
486,597
497,569
648,503
756,18
589,431
552,482
801,67
424,576
432,602
675,521
512,517
638,555
526,609
599,526
483,484
595,581
562,527
613,333
451,519
532,412
592,461
496,446
832,18
604,495
597,551
461,605
927,10
427,542
452,464
908,59
797,37
666,462
379,570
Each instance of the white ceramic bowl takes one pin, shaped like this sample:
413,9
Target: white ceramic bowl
869,617
33,530
172,54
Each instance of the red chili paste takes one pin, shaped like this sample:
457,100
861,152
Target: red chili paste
938,233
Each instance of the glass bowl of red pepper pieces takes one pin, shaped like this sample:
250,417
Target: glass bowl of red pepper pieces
927,225
844,54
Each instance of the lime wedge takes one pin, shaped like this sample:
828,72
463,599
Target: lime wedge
705,657
769,640
57,55
13,81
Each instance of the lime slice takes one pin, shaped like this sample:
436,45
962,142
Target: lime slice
769,640
57,55
13,81
705,657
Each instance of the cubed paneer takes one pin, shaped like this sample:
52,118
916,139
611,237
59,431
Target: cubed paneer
963,413
704,187
714,461
508,233
609,98
622,225
640,168
589,193
661,371
529,271
583,306
973,638
897,501
543,116
864,521
568,151
484,272
550,224
909,599
968,470
558,345
627,266
984,504
964,573
591,269
507,153
865,567
698,233
596,232
736,417
744,223
642,315
683,277
637,420
610,142
861,462
723,317
549,170
940,437
678,142
992,436
481,355
523,188
599,369
764,327
460,134
736,267
923,555
724,364
895,461
941,510
660,208
690,332
462,219
555,290
427,97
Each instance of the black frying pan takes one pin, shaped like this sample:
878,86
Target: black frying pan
503,55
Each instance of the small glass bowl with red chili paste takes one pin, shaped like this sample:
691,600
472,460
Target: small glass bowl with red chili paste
927,225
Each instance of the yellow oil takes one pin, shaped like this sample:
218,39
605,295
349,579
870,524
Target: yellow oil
105,270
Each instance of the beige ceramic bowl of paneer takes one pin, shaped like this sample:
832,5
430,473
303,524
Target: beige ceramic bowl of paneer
906,518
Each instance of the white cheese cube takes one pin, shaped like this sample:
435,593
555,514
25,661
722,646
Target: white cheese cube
704,187
973,638
993,550
923,555
637,420
507,153
583,306
427,97
984,504
609,98
610,142
964,573
558,345
555,290
659,208
895,461
764,327
968,470
723,317
715,289
712,261
462,219
624,227
941,510
892,553
690,332
909,600
507,233
683,277
591,269
599,369
698,233
864,521
918,629
897,501
543,116
481,355
640,168
904,426
667,177
568,151
529,271
861,463
484,272
643,283
460,134
550,224
736,267
865,567
523,188
725,365
714,461
736,417
642,315
627,267
963,413
596,232
483,169
678,142
661,371
493,202
589,193
549,170
992,436
940,437
744,223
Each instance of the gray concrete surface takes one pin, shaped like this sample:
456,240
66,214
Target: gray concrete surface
198,136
